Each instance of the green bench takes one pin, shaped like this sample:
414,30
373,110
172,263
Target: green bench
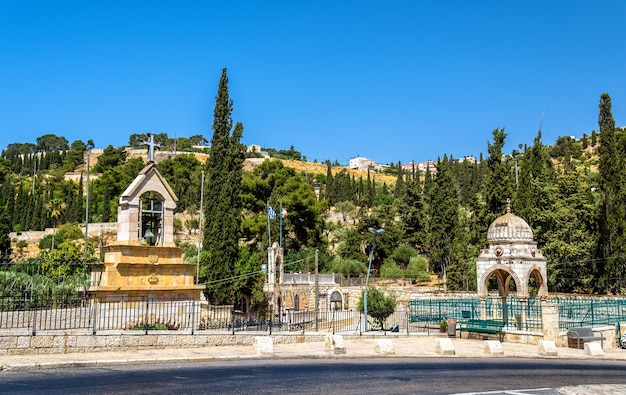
492,327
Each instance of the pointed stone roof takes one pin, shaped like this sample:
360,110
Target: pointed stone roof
149,179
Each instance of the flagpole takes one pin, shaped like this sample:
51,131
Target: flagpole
269,231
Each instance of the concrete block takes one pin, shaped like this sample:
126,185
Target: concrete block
493,347
547,347
335,343
593,349
444,346
263,345
384,347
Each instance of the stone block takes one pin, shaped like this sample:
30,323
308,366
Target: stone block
130,341
23,342
8,342
547,347
493,347
593,349
443,346
148,340
335,343
85,341
263,345
384,347
42,341
166,340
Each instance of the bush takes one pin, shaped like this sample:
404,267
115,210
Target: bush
403,254
348,266
390,269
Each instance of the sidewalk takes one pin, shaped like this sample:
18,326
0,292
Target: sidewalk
404,347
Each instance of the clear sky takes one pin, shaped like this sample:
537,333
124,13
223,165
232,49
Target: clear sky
388,80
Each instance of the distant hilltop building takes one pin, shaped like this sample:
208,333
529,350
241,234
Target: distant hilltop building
362,164
469,158
431,165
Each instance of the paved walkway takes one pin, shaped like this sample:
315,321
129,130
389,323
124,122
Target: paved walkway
412,347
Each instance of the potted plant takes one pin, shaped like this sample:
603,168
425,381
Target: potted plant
443,326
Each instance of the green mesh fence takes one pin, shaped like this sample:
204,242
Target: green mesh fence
584,311
516,314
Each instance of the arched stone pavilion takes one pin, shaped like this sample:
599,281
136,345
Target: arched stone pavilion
511,255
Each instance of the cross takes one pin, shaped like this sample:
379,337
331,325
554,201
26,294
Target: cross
151,144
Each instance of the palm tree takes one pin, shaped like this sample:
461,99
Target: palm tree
55,207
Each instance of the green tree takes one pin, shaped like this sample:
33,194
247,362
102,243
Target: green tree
612,216
5,229
55,207
348,267
110,158
443,209
223,199
379,305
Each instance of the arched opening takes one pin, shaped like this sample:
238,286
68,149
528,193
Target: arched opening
500,279
536,284
151,223
296,302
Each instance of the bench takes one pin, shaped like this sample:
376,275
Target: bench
584,334
493,327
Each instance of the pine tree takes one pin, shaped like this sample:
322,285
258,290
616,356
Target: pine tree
612,216
498,186
223,200
400,188
444,218
535,197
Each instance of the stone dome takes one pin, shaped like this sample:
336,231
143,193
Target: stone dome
509,227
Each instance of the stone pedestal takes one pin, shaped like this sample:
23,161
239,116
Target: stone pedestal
131,271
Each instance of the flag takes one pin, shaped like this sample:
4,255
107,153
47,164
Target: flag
271,214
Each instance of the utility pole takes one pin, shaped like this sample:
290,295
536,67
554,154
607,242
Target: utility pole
317,291
86,226
200,226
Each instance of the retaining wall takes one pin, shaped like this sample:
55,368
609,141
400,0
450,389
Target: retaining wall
59,342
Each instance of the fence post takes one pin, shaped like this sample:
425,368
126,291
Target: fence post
34,331
94,315
145,320
193,316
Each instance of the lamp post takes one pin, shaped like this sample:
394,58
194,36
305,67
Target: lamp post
376,232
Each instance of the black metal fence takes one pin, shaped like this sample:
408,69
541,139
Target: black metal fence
38,296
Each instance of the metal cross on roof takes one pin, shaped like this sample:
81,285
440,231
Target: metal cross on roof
151,144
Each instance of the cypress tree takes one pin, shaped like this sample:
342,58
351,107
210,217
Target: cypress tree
612,216
223,201
444,218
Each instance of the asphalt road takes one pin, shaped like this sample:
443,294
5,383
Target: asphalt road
353,376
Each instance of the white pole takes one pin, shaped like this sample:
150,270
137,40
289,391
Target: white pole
200,226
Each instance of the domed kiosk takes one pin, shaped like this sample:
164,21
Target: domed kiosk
511,254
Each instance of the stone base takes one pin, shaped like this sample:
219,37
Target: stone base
593,349
548,348
444,347
493,347
335,343
384,347
263,345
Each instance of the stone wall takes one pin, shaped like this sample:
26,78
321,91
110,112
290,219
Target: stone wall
79,342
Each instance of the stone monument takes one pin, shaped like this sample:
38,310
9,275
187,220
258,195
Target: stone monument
144,262
511,254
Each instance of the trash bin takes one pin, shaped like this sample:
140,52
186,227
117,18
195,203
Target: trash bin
452,328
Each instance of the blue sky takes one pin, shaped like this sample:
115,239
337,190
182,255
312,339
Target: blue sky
391,81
